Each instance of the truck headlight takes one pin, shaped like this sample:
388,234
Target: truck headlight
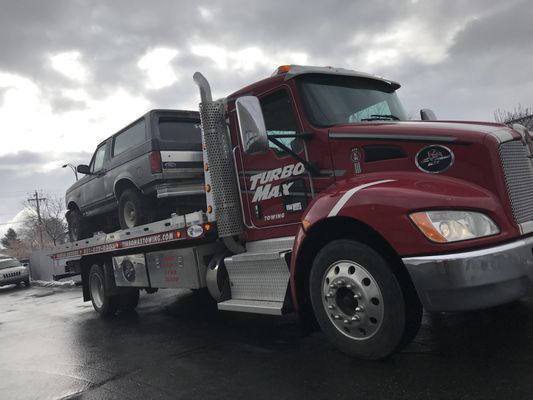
453,226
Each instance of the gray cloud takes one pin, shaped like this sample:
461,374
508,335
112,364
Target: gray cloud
111,39
23,172
487,64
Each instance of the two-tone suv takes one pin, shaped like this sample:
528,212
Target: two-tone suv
146,171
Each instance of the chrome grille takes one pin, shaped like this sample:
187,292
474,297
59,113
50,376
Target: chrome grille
11,274
518,173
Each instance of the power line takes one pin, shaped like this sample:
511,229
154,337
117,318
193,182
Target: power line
37,201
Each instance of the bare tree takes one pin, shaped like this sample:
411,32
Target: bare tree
505,117
14,246
46,222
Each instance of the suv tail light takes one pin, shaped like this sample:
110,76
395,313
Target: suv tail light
155,162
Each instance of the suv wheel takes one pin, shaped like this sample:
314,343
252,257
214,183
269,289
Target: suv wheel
78,228
131,209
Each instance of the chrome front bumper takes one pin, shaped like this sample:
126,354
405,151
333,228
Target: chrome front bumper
475,279
5,280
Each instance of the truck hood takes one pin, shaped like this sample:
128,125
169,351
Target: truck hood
441,131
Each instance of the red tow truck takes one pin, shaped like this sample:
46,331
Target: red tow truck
323,199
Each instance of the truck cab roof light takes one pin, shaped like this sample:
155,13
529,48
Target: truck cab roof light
282,69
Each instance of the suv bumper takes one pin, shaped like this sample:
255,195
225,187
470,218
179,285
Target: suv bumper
475,279
178,189
14,280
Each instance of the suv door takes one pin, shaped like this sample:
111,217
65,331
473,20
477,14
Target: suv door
93,194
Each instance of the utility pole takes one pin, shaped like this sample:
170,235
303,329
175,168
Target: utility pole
37,200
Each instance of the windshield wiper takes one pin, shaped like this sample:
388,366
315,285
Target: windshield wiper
381,117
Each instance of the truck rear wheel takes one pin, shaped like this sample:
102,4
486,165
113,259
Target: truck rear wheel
358,301
131,210
103,303
129,301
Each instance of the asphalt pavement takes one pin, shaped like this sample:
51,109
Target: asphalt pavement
178,346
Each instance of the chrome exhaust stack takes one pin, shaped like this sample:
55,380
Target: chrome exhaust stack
222,193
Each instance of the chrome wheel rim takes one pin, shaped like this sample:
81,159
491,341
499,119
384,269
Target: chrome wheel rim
352,300
130,216
97,290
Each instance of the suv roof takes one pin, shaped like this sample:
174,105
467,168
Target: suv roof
186,114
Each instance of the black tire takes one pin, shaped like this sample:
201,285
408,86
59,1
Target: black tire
358,301
132,209
78,227
103,303
129,301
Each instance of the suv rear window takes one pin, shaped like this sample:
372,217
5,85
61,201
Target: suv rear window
185,134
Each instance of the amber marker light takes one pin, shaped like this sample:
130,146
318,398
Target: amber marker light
178,234
207,227
423,223
207,188
209,209
282,69
306,225
206,167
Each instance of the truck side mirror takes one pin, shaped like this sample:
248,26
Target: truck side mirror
83,169
251,125
427,115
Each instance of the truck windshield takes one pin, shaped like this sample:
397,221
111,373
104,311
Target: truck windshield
331,100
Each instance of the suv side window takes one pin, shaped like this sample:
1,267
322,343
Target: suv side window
131,137
279,119
97,162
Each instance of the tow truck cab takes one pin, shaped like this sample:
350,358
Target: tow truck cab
441,196
322,198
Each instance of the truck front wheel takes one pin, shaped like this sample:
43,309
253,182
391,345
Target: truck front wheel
103,303
358,300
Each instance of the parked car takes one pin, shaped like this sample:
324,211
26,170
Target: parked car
13,272
143,173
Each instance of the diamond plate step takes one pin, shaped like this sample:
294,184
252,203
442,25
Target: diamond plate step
252,306
260,274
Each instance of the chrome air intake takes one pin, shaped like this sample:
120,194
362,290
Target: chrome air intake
221,186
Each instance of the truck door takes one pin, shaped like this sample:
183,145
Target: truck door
275,186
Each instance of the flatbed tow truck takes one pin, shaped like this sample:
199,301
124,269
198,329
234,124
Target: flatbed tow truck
322,199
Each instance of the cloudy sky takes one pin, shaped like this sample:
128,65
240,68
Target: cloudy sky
73,72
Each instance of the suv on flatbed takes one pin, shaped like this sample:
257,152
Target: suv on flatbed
146,171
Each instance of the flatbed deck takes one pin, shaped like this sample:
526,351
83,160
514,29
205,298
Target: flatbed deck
193,226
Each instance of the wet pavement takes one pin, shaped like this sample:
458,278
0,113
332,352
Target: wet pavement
177,346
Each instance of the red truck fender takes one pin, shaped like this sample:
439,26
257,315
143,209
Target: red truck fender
375,210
